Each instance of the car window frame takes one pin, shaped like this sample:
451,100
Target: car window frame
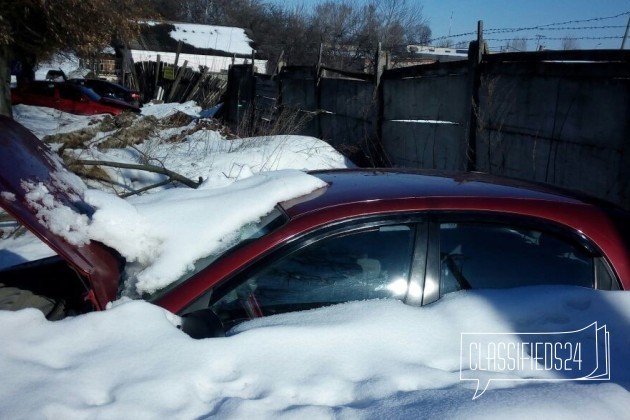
433,286
417,269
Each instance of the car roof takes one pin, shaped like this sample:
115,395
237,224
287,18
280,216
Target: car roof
351,186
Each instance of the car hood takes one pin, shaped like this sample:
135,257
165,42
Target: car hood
26,166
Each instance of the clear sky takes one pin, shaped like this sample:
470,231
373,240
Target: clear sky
461,16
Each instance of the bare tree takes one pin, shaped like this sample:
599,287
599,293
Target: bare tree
337,25
401,22
362,27
516,45
570,43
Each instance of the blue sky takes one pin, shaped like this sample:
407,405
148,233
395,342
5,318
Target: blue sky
500,14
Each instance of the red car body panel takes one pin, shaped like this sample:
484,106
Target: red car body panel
354,194
23,157
350,194
83,100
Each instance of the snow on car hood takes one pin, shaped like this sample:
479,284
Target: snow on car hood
171,229
40,192
162,233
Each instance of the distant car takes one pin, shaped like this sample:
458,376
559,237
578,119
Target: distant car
68,97
370,234
110,90
55,76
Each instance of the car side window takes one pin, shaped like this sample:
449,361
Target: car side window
488,255
41,89
369,264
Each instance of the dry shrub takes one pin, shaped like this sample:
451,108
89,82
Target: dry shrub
282,121
131,135
178,119
73,140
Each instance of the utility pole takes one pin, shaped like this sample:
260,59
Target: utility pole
623,41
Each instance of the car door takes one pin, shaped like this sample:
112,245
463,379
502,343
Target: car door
379,259
39,94
482,251
69,99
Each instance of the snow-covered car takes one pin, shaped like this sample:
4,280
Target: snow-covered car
367,234
68,97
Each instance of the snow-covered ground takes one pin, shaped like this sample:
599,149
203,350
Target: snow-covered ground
373,359
368,359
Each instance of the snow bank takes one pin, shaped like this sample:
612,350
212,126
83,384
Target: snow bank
367,359
43,121
164,110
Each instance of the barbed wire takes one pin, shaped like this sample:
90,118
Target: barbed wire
544,38
547,26
562,28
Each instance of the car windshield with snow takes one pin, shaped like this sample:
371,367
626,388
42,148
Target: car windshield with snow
335,236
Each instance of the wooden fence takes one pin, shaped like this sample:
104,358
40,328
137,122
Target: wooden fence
559,117
169,83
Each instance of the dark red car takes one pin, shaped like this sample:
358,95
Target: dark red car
370,234
68,97
110,90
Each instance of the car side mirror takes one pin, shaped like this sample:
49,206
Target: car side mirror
203,323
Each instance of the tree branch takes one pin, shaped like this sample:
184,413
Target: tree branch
149,168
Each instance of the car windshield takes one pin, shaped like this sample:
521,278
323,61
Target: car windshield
244,235
90,93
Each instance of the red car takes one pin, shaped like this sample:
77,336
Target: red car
110,90
370,234
68,97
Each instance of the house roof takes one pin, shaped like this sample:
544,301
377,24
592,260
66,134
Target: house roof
195,38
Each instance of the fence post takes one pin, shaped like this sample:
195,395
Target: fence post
475,52
179,49
379,151
178,77
625,35
157,75
318,92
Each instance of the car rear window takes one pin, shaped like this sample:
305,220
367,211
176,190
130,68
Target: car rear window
488,255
